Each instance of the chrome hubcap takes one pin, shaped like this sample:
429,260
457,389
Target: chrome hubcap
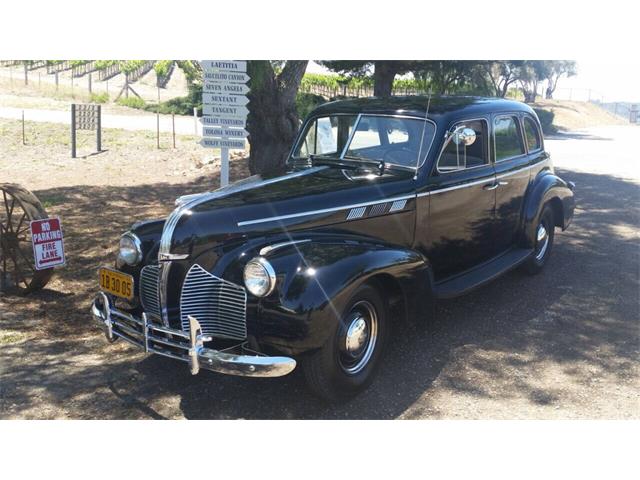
359,338
542,241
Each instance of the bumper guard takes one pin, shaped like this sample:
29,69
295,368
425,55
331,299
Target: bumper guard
180,345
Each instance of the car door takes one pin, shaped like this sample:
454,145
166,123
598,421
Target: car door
511,164
461,193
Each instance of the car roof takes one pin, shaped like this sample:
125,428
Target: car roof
439,106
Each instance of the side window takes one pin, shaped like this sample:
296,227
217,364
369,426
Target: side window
508,139
531,132
458,156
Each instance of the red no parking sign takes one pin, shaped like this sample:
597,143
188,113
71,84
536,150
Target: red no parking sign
48,246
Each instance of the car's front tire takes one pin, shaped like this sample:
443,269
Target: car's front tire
346,364
543,241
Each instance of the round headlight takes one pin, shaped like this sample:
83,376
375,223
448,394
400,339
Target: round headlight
259,277
130,251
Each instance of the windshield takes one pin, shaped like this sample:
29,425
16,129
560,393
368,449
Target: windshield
393,140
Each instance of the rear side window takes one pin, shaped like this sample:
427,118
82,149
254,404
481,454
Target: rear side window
531,132
507,137
459,156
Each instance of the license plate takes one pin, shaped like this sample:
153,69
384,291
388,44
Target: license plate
116,283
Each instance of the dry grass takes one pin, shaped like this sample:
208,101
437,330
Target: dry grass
129,157
97,197
577,115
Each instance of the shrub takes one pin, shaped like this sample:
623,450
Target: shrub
132,102
546,120
128,66
99,97
102,64
161,67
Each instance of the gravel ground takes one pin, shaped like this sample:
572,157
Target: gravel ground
561,345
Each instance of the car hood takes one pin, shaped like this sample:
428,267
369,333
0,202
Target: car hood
258,206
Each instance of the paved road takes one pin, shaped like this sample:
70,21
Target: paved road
185,125
563,344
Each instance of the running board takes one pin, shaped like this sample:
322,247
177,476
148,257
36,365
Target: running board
481,274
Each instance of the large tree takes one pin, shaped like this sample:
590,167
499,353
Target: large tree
450,76
384,71
502,74
529,75
558,68
273,121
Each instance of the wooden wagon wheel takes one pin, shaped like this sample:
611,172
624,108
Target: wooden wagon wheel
17,264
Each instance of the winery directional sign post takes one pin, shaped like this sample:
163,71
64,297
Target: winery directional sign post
224,109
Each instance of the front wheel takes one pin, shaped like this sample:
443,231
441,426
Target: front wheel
544,235
345,365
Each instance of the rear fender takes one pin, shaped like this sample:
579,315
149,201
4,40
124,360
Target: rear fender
547,188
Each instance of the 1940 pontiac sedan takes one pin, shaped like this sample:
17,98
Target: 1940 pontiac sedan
386,206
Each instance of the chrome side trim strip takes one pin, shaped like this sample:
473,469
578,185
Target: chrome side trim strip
456,187
318,212
270,248
508,174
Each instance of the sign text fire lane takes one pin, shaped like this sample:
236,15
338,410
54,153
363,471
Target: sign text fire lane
48,246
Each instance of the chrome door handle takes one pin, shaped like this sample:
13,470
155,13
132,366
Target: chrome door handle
502,184
492,186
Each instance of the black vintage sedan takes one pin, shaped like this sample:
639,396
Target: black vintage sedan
386,206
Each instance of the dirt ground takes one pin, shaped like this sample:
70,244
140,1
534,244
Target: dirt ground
563,344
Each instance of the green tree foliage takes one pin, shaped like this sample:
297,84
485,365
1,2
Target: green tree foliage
557,69
384,71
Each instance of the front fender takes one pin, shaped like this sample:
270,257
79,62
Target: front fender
316,279
547,187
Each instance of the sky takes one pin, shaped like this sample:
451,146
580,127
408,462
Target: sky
604,80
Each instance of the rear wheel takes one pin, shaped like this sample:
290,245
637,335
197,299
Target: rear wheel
345,365
543,241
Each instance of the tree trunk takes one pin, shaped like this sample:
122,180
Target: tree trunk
273,121
383,76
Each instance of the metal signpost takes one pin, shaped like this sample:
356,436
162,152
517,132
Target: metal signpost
224,109
86,117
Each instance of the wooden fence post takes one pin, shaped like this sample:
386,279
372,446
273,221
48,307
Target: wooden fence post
195,121
99,129
73,130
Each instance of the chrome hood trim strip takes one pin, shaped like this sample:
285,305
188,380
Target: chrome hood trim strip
324,210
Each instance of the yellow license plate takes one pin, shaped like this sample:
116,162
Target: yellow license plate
117,283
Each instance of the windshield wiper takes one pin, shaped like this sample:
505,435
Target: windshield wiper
379,165
325,160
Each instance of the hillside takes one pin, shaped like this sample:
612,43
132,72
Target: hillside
566,115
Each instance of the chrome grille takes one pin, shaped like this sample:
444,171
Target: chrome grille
149,290
219,306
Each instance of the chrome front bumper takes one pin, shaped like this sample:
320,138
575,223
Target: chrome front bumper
180,345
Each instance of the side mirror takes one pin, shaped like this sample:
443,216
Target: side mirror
464,136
